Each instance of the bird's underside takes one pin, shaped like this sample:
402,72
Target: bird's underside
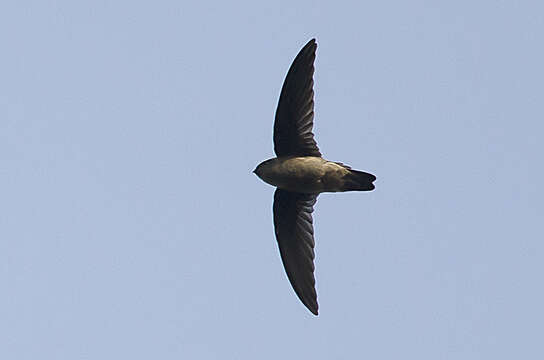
313,175
300,174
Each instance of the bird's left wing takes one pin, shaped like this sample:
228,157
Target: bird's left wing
295,234
295,113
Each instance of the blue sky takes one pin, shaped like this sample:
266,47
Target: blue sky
131,225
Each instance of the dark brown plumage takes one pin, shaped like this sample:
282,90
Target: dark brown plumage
300,174
295,113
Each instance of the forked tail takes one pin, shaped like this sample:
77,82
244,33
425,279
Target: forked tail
358,181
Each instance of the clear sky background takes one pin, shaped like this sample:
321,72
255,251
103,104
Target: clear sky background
132,227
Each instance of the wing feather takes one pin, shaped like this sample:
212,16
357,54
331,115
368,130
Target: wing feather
295,113
293,225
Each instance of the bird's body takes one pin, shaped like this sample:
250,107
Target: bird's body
300,174
310,175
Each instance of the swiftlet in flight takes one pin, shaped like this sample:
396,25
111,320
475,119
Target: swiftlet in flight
300,174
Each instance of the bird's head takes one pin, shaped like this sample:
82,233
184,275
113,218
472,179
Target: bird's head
258,170
261,168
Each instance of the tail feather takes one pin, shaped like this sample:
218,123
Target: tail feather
358,181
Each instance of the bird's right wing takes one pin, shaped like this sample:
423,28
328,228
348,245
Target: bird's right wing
295,234
295,113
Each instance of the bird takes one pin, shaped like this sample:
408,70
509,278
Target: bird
300,173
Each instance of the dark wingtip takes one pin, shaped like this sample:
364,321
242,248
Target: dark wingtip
311,305
311,43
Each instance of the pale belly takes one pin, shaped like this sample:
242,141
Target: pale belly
303,174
